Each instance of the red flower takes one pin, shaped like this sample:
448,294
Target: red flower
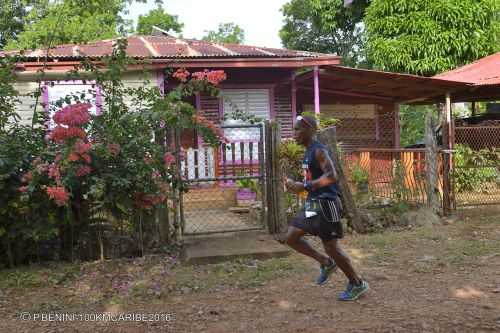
168,159
60,134
58,194
82,148
83,171
55,173
114,149
181,74
73,157
73,115
87,158
213,77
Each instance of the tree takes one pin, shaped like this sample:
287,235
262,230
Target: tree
158,17
325,26
51,22
228,33
430,36
12,13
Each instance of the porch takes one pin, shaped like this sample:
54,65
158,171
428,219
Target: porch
366,102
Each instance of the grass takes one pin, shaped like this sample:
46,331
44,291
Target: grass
37,275
423,250
239,273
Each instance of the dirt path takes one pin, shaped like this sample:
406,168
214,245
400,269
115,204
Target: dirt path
430,279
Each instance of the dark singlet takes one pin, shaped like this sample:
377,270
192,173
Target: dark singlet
312,171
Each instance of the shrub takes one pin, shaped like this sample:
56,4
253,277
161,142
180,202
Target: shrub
473,169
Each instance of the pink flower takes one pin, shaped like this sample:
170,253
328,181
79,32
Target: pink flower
114,149
181,74
55,173
168,159
23,189
213,77
73,115
83,171
60,134
87,158
58,194
82,148
73,157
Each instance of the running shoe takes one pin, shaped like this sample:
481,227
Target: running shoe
325,271
353,292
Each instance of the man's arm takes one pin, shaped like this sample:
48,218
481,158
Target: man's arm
293,186
329,176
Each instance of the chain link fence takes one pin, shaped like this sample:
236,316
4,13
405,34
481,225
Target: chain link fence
476,169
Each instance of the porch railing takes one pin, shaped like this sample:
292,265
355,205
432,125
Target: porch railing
198,163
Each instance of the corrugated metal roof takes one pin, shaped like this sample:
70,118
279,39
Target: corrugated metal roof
168,47
379,85
485,71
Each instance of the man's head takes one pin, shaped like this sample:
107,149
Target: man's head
305,129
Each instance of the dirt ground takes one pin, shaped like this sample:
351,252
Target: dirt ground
443,278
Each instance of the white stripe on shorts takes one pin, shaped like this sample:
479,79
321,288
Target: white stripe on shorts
334,208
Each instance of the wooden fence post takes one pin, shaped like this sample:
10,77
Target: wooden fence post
276,215
329,138
431,163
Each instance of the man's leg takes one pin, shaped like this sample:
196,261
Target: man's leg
333,249
296,242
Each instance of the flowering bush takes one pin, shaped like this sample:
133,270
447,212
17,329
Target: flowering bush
94,172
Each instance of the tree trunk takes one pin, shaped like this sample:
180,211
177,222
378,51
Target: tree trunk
276,217
329,138
431,161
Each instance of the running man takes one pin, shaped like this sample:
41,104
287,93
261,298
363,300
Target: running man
323,211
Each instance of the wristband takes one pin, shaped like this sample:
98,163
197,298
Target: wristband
308,186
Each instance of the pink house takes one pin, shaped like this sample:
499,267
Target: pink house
269,83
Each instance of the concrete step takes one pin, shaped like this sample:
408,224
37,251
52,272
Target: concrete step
219,248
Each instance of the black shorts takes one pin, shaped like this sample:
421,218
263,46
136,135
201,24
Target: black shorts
325,224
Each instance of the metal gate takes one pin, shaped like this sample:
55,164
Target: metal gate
225,184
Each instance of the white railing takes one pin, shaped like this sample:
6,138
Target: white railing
198,163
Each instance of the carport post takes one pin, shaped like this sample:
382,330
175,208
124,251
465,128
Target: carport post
316,90
294,99
448,202
397,129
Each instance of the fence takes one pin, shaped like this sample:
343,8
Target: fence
394,174
225,183
476,169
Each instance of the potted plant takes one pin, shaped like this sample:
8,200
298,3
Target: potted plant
359,177
247,192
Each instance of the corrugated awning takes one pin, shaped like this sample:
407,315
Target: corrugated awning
379,85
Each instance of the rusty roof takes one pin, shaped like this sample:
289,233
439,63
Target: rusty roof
166,47
485,71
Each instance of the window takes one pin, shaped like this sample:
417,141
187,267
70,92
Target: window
61,93
254,102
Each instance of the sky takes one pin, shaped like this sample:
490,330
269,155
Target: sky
260,19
